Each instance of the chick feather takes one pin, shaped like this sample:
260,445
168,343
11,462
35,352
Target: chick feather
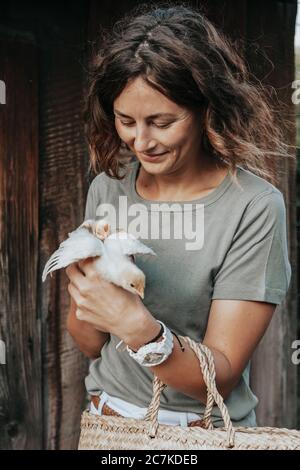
112,250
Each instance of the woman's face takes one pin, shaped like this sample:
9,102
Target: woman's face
151,124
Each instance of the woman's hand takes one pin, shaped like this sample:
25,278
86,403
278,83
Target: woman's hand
108,307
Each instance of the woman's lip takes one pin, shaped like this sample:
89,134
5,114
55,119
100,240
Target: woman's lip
154,154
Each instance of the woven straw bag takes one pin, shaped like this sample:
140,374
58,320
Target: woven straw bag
119,433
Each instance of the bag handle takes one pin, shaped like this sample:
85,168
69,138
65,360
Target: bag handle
207,367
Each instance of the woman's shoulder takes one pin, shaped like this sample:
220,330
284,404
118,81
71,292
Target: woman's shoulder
103,184
255,188
260,198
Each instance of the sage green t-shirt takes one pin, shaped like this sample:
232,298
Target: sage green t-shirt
230,244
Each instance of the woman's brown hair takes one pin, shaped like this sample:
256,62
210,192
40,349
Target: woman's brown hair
180,53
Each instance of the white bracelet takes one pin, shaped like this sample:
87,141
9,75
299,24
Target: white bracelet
153,354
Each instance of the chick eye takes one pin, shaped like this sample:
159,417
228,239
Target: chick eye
132,285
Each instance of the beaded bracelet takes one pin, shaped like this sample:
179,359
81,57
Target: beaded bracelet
157,336
181,347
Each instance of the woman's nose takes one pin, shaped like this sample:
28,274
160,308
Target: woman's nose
143,139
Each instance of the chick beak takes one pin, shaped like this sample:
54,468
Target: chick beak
140,292
139,289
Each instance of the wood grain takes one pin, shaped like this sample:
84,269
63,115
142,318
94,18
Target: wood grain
20,377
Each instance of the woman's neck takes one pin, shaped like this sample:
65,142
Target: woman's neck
184,185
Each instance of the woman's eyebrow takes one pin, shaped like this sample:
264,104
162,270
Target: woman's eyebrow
147,117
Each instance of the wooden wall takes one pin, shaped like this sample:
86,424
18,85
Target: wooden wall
20,322
267,32
44,180
274,376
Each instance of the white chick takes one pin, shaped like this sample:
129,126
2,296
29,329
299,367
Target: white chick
114,252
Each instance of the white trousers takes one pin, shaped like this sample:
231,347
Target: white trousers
129,410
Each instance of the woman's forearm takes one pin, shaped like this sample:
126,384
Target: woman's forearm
87,338
182,372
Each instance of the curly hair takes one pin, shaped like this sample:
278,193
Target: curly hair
180,53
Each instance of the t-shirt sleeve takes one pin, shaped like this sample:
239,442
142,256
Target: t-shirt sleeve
91,202
256,266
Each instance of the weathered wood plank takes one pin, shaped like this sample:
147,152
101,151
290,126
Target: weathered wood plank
64,182
20,378
267,30
274,376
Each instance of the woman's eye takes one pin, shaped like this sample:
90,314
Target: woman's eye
126,123
162,126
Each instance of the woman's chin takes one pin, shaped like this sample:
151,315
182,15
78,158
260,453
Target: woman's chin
156,166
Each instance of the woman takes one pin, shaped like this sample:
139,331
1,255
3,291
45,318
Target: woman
171,89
